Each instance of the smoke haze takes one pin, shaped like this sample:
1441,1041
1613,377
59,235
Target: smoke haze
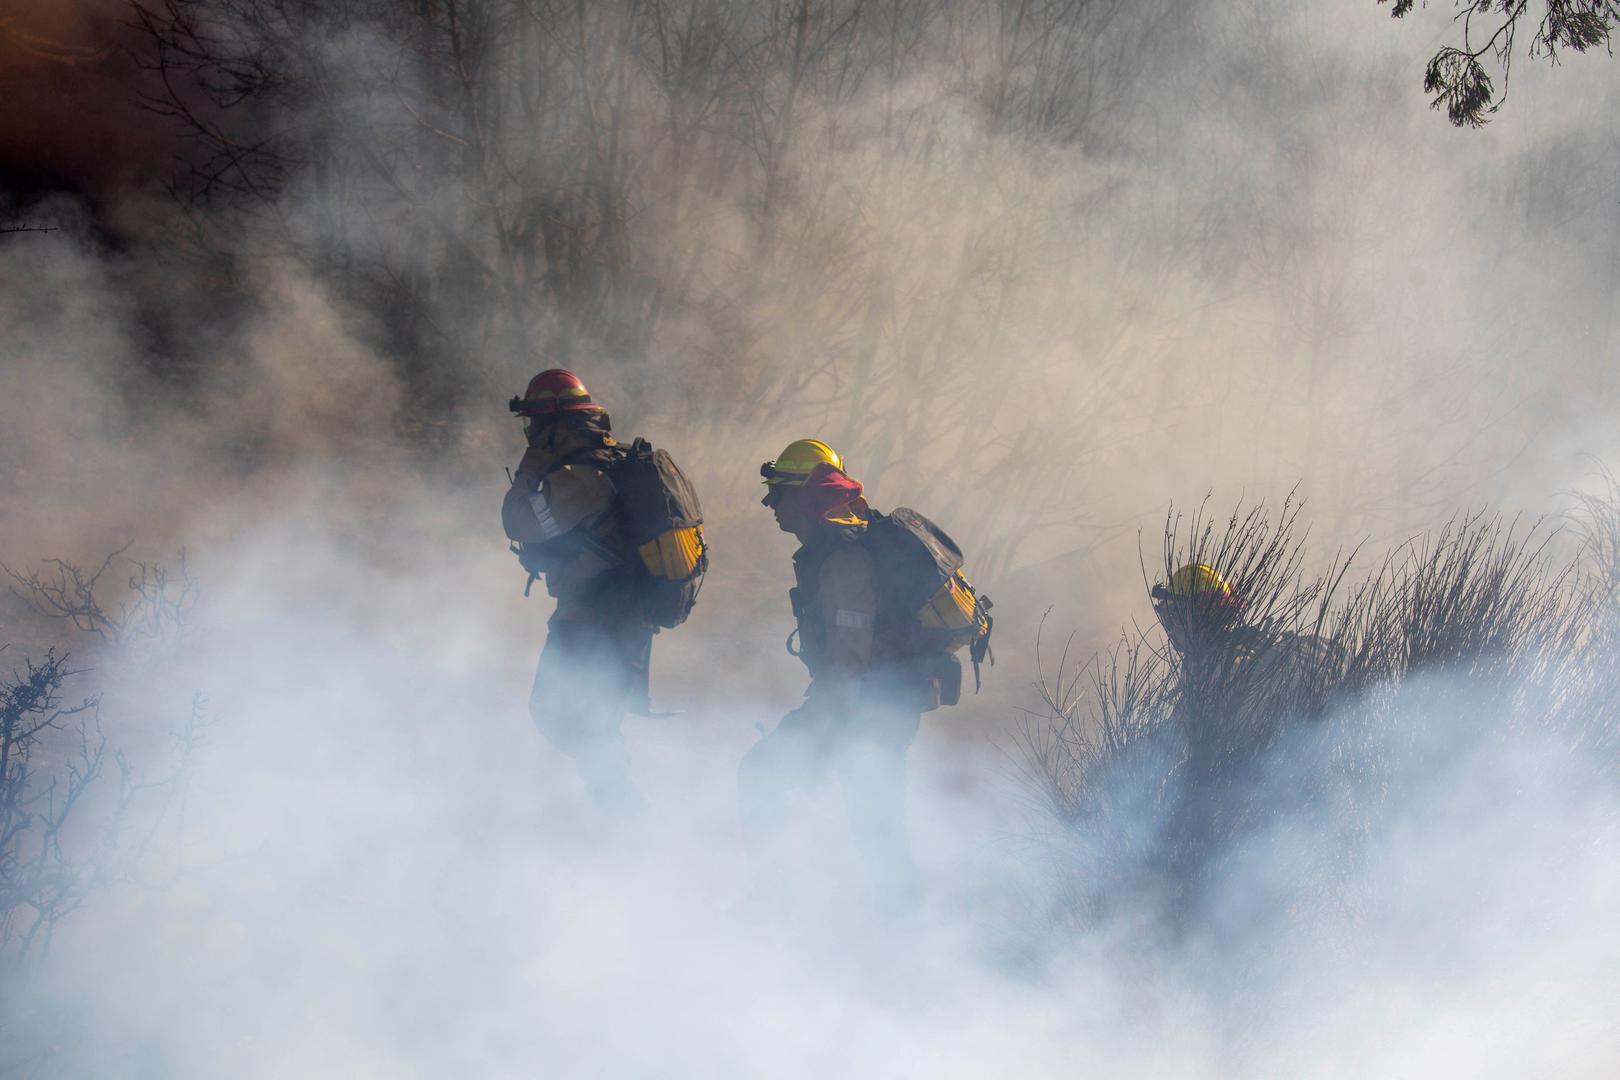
1227,249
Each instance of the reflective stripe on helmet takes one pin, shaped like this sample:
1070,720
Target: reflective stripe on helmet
553,391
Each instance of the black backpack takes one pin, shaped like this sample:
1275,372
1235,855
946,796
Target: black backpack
925,603
658,513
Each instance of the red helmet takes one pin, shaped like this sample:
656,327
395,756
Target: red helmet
553,391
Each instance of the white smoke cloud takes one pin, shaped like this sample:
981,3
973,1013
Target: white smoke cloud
380,870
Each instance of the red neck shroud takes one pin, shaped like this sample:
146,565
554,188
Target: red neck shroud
827,495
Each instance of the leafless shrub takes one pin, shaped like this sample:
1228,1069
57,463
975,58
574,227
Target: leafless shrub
1588,697
1093,712
42,783
64,833
152,613
1154,771
1595,520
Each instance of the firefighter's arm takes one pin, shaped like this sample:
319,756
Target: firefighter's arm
536,510
848,602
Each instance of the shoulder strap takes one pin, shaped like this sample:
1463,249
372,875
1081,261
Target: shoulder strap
603,457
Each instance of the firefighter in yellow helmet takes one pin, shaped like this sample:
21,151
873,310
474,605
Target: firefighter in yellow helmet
1209,625
1238,681
1212,649
859,717
1199,611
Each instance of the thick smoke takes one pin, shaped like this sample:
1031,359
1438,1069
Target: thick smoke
1259,262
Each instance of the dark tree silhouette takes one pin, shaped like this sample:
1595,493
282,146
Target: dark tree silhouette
1458,78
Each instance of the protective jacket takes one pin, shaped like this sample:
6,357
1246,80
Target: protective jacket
855,658
558,508
595,662
835,606
856,720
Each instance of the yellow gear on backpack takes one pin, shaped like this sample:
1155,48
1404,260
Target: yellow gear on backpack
958,609
674,555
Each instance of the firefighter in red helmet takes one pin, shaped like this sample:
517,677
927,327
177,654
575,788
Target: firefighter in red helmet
565,513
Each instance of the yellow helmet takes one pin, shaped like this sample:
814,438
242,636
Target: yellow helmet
795,464
1197,579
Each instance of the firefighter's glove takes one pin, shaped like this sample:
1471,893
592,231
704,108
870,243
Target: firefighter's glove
533,466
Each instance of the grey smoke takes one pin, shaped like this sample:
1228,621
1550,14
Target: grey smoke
1278,269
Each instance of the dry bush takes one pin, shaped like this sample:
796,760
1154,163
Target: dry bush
42,782
1150,768
64,832
68,829
150,618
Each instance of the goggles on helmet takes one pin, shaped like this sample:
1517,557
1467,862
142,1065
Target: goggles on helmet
777,477
1211,599
549,406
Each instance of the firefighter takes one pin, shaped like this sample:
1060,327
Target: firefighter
1239,687
859,714
1202,617
594,666
1217,646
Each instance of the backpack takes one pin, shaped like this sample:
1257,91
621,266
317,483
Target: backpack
658,514
925,603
